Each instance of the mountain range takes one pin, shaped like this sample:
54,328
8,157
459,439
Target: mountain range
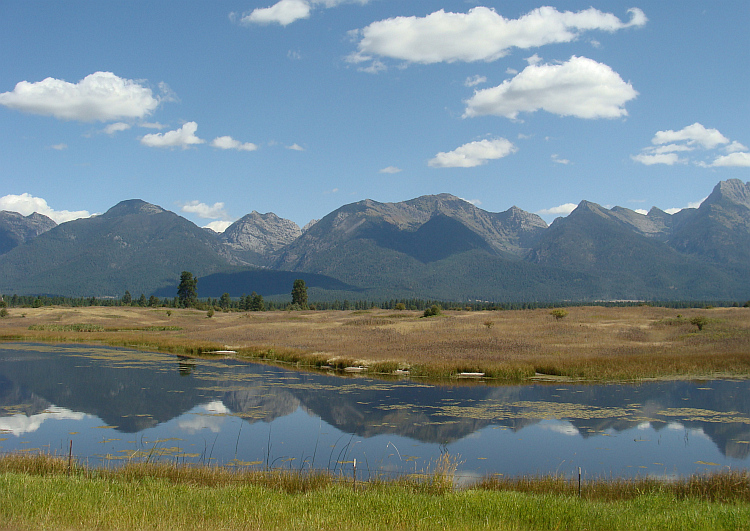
433,247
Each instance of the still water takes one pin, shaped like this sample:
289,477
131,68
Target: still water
118,404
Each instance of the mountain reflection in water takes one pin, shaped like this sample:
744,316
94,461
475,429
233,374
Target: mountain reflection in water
114,403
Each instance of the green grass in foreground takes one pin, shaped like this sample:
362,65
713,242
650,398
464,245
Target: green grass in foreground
167,497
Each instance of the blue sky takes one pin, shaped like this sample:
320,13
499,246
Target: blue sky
215,109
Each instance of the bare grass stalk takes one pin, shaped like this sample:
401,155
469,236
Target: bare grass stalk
592,343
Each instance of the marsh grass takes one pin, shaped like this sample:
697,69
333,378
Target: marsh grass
725,487
590,343
38,493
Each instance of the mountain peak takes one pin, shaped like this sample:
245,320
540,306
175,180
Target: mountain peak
133,206
261,233
732,190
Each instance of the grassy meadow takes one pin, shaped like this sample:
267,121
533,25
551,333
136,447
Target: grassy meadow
589,343
42,492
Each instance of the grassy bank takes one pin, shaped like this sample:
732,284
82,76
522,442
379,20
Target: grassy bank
41,493
591,343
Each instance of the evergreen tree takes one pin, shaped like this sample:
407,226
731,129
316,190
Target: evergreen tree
187,291
256,303
299,293
127,299
225,301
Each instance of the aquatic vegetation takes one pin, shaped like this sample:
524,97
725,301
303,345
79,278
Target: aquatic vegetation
590,343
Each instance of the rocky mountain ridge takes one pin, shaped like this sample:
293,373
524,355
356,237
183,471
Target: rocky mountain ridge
16,229
436,246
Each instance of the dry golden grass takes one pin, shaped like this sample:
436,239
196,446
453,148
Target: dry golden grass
595,343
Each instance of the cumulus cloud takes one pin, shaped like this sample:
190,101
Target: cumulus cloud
695,204
59,147
284,12
26,204
474,81
473,154
183,137
562,210
227,142
694,138
649,159
580,87
735,146
558,160
116,127
101,96
733,159
218,226
391,169
202,210
296,147
695,134
21,424
479,35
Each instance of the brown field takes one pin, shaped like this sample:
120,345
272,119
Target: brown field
590,343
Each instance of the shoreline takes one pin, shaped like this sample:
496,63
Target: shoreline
591,344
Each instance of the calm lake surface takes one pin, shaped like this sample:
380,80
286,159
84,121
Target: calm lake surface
119,404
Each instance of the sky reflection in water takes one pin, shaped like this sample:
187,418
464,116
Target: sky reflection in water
117,404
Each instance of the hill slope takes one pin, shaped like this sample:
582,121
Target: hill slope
134,246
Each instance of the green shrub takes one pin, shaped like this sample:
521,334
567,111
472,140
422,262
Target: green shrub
432,311
700,321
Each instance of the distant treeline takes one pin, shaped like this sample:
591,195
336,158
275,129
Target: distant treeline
255,302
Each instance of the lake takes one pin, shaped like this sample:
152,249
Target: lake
116,404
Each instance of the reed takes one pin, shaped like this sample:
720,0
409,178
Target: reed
591,343
42,495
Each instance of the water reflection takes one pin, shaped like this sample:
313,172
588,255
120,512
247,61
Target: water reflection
117,404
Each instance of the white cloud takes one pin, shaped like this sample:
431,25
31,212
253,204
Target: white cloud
152,125
183,137
296,147
733,159
26,204
101,96
473,154
21,424
666,145
474,81
227,142
59,147
116,127
562,210
692,135
479,35
202,210
580,87
695,204
557,160
391,169
284,12
735,146
218,226
534,59
641,211
669,159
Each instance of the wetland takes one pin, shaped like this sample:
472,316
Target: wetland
619,392
118,405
